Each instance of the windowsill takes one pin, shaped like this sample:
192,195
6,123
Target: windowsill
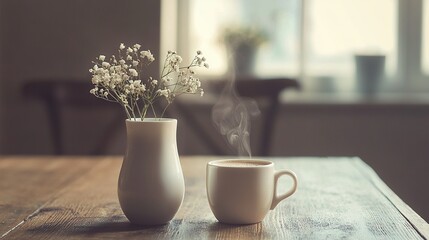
392,93
389,92
320,98
305,98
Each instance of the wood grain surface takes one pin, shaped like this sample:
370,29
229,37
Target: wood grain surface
75,198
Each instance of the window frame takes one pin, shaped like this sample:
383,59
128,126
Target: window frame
410,75
410,45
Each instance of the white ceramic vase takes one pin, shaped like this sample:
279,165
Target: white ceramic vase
151,185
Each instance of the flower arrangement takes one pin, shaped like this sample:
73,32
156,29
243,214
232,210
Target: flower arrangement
120,80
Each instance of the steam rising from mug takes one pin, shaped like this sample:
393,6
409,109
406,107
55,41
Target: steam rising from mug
231,115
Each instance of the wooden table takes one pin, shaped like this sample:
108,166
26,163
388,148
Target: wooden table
75,198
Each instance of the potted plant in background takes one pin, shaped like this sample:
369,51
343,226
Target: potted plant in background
151,185
242,44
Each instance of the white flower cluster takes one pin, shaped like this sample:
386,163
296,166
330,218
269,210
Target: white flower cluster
185,81
119,79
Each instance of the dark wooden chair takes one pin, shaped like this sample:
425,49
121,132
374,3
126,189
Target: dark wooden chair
58,94
266,92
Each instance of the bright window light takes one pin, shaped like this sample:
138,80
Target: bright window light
338,29
334,30
207,20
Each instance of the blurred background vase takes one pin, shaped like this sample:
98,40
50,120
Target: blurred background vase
369,72
242,44
151,185
244,60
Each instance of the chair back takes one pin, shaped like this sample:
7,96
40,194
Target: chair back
60,94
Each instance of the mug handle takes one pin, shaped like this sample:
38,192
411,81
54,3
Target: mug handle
278,198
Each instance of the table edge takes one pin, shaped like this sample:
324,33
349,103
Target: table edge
419,224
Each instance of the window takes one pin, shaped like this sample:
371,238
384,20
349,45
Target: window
338,29
315,39
425,26
207,20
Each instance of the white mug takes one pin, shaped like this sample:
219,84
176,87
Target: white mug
243,191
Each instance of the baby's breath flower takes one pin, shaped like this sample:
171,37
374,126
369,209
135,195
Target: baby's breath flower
133,72
164,92
123,98
96,79
148,55
177,59
117,79
199,60
166,80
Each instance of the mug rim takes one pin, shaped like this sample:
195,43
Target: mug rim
149,120
266,163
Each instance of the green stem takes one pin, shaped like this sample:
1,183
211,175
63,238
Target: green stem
168,73
153,109
132,112
164,66
138,109
132,108
163,112
126,111
145,110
